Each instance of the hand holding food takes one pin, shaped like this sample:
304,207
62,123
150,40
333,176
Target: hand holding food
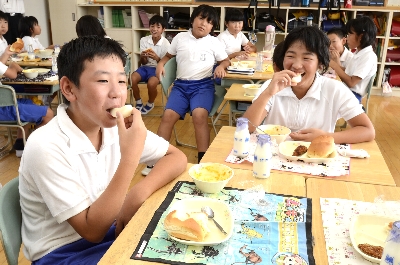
296,79
17,46
126,111
188,226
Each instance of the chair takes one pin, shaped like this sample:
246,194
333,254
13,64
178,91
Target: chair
220,91
9,98
10,221
128,69
369,88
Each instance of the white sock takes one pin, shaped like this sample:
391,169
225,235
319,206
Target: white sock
150,104
139,101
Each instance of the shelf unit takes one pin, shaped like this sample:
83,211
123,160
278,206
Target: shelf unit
130,37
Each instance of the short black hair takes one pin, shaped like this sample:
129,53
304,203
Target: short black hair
315,41
89,25
278,55
337,31
26,25
233,14
365,26
73,55
208,12
157,19
3,16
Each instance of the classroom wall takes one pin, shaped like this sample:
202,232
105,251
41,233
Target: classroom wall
40,10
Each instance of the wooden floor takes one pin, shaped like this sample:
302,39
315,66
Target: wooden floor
383,111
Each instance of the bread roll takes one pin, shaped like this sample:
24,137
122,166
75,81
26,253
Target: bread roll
125,110
17,46
321,147
188,226
296,79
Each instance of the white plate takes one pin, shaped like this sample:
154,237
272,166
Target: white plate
371,229
236,69
42,71
286,149
22,54
223,215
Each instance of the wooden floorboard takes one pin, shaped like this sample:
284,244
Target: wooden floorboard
383,112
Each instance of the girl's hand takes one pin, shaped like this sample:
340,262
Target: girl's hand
307,135
279,81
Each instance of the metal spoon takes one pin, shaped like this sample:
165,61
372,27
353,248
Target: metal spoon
210,213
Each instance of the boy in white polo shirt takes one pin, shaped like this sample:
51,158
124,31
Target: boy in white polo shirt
76,170
152,48
337,51
311,107
196,52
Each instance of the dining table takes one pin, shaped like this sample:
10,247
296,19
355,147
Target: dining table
372,170
255,77
123,247
327,188
37,63
234,95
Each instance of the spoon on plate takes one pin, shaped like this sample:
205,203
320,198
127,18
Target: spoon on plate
210,213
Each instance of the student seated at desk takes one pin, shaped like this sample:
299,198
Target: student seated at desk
311,107
76,171
152,49
361,36
89,25
337,49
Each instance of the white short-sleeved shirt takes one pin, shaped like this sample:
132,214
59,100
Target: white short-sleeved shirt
3,69
3,45
363,65
345,57
61,174
12,6
160,48
326,101
232,44
195,58
34,41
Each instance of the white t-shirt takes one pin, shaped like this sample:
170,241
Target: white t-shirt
3,45
363,65
326,101
345,58
3,69
12,6
232,44
160,48
34,41
195,58
61,174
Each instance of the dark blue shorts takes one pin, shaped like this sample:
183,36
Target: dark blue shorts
358,96
79,252
186,95
28,112
146,72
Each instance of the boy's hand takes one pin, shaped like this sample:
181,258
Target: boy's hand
334,56
151,54
14,65
219,72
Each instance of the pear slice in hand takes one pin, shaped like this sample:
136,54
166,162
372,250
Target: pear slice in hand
125,110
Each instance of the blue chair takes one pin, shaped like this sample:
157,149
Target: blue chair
10,221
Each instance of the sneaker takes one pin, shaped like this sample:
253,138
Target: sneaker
139,106
147,108
19,147
147,170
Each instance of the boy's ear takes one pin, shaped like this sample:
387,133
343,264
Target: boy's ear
68,88
344,40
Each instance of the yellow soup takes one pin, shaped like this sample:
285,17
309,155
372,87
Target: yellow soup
213,173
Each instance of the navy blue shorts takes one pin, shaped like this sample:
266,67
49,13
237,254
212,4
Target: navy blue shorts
79,252
186,95
146,72
358,96
28,112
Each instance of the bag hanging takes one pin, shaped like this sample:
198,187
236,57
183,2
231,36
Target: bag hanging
335,18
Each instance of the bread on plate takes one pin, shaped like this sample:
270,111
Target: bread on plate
17,46
188,226
321,147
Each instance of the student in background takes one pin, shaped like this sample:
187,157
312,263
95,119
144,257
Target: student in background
89,25
361,36
72,198
311,107
337,50
233,38
152,49
29,30
14,10
196,52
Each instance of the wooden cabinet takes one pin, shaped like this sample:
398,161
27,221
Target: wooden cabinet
130,37
63,20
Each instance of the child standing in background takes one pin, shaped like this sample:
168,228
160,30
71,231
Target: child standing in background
338,52
29,30
361,36
196,52
152,49
233,38
88,25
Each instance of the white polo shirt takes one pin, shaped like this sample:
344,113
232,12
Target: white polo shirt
61,174
345,57
3,69
34,41
326,101
363,65
232,44
160,48
195,58
3,45
12,6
